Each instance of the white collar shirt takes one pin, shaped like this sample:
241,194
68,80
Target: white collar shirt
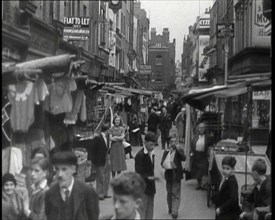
104,137
40,187
63,190
150,154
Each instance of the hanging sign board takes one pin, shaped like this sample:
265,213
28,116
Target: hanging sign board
224,29
76,28
262,95
145,69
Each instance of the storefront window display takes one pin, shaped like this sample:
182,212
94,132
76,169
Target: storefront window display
261,109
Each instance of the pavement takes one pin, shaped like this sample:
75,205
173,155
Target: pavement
193,202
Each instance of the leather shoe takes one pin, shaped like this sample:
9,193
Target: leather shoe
174,216
107,197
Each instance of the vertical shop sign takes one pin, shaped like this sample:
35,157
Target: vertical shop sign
203,59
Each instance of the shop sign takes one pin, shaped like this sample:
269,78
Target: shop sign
203,23
76,28
145,69
11,53
259,35
262,95
203,59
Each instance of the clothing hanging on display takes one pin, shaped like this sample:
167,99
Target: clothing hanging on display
23,97
60,99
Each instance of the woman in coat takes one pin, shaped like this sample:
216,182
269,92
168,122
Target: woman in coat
199,154
117,154
180,124
12,200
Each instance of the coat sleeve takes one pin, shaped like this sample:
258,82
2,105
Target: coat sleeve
47,205
181,154
40,215
233,198
92,204
139,166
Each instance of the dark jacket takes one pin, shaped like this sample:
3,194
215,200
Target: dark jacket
145,167
262,197
165,122
85,202
153,122
174,174
227,199
99,150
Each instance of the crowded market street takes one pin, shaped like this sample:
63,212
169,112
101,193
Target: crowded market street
193,203
136,109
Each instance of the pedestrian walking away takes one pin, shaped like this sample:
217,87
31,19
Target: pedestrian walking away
180,124
165,125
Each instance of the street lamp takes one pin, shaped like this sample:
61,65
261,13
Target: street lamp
225,31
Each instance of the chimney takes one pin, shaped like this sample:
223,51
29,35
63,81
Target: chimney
153,35
165,35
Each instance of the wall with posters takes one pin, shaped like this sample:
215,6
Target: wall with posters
259,37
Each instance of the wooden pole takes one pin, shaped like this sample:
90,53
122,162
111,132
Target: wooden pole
54,64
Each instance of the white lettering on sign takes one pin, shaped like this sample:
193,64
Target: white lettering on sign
204,22
76,21
262,95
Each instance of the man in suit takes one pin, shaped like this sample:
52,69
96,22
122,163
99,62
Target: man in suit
165,125
101,159
144,165
68,198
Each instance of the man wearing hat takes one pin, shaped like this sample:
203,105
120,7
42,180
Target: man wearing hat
69,198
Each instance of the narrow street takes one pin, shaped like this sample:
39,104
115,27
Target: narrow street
193,202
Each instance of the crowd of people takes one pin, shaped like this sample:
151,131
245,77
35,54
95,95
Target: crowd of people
54,192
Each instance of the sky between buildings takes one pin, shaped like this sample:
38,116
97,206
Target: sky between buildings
177,15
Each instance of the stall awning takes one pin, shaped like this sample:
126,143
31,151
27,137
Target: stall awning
135,91
200,98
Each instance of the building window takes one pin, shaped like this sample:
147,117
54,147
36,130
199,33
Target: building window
158,60
84,10
158,77
78,8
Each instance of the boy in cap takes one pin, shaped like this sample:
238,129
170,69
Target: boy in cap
69,198
227,199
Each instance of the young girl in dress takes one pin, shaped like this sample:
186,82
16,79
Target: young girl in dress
35,210
227,199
